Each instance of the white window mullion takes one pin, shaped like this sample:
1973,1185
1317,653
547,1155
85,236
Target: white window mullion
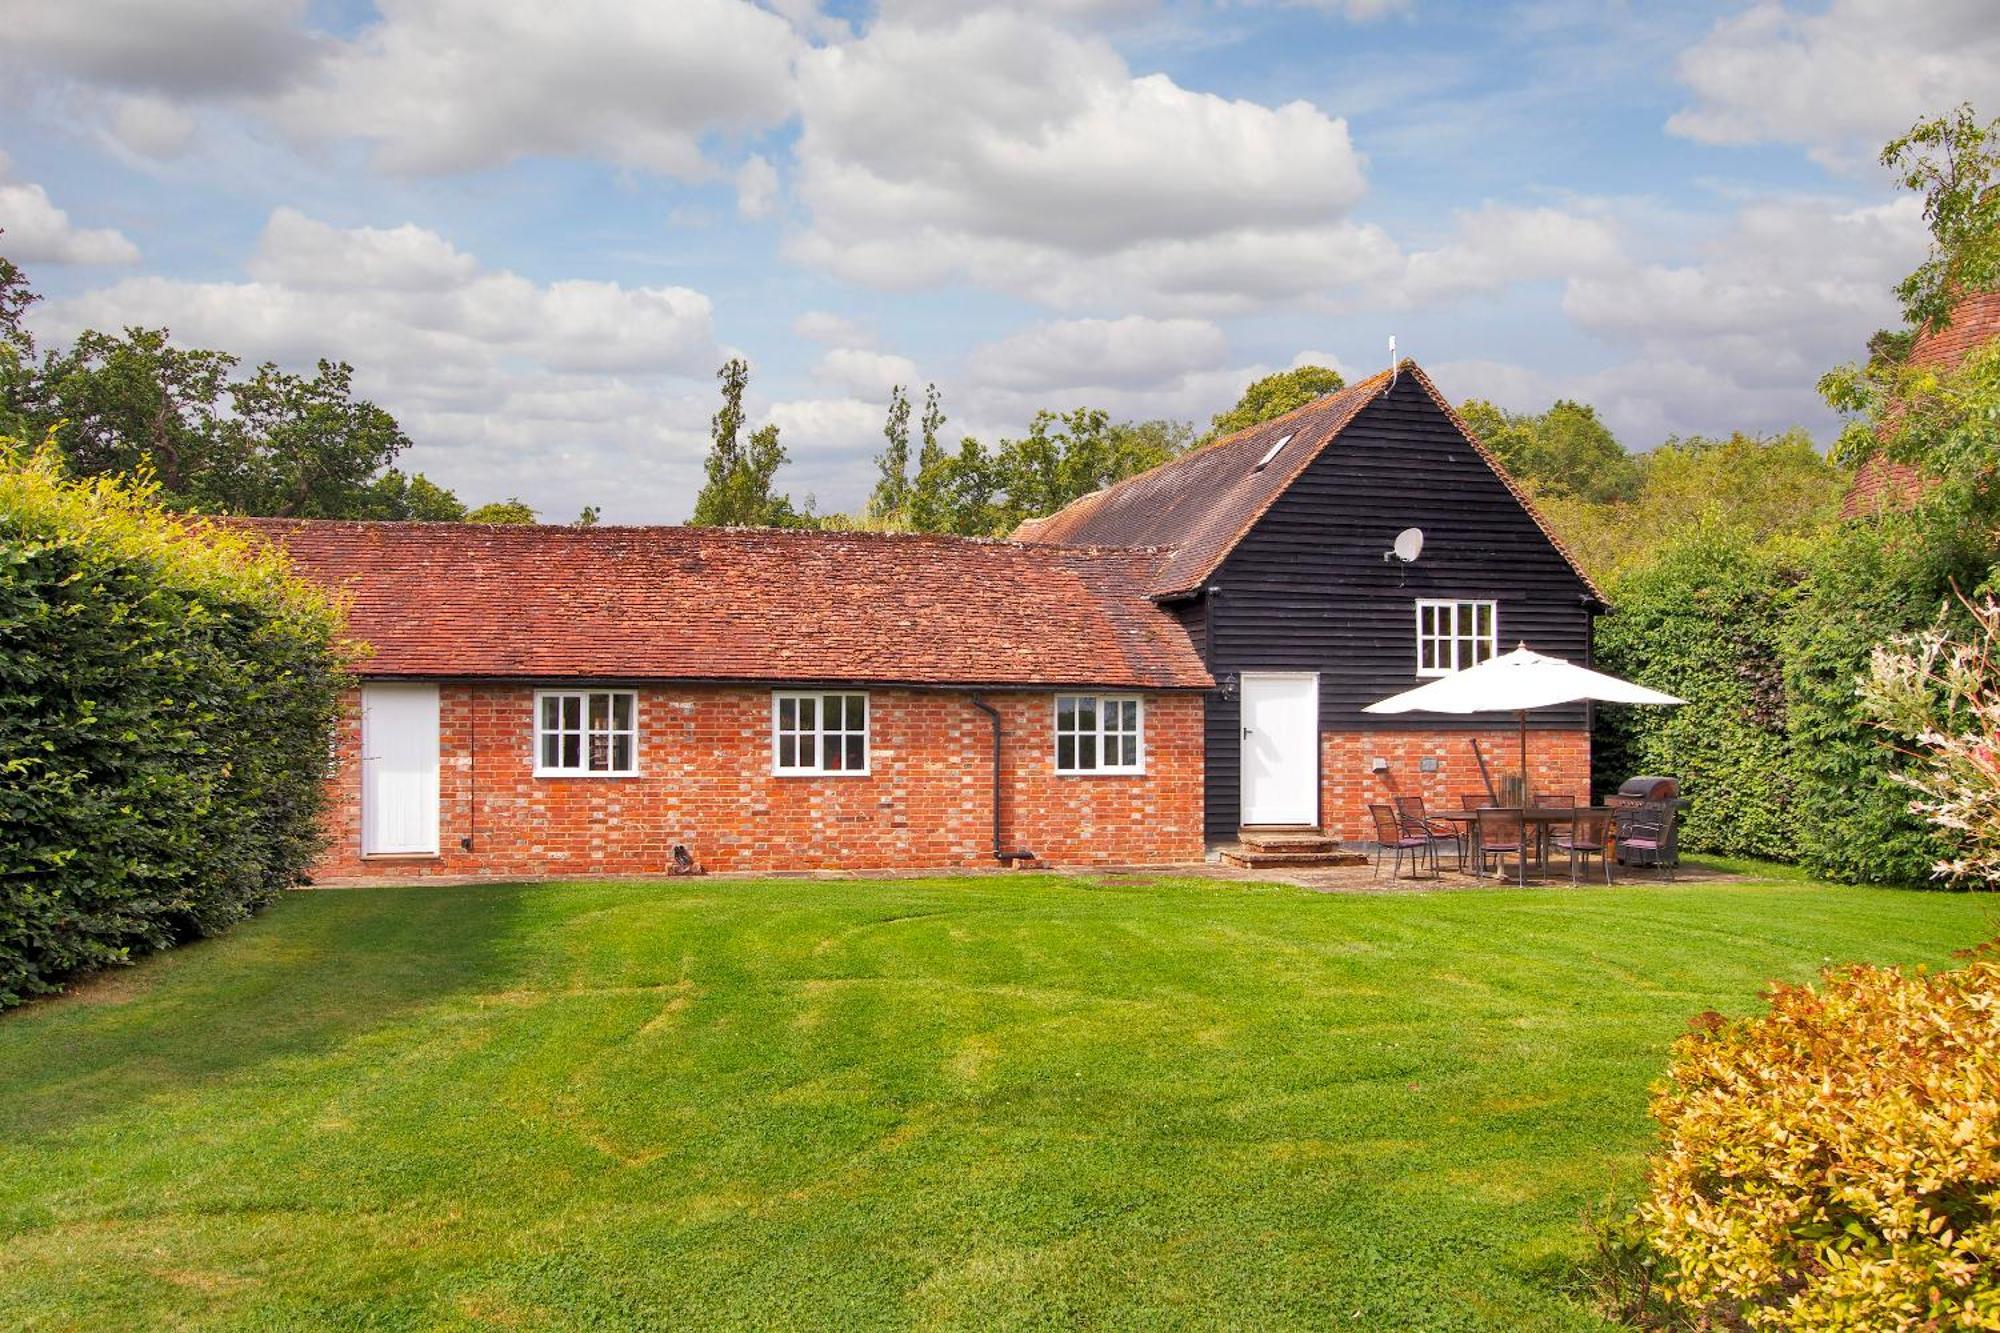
586,733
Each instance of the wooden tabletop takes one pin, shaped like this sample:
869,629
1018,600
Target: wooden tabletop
1534,814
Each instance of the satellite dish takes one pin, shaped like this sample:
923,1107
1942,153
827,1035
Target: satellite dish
1409,545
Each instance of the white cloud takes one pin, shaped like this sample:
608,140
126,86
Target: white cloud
831,330
834,427
565,393
191,49
1734,338
1360,11
1841,79
34,230
1791,278
1009,151
458,85
866,374
1495,247
1133,352
151,126
756,187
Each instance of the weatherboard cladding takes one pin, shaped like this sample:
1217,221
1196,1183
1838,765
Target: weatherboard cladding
452,600
1200,506
1308,589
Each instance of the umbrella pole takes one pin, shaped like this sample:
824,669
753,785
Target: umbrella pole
1523,714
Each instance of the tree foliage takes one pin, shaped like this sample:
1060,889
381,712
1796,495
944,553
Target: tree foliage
1275,395
1952,161
891,495
1699,621
512,511
982,492
1564,452
741,470
271,442
1758,488
167,699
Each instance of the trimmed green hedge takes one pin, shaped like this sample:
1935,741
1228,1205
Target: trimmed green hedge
1700,621
1768,644
167,699
1865,584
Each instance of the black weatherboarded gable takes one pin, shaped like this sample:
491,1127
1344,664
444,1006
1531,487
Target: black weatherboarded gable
1299,582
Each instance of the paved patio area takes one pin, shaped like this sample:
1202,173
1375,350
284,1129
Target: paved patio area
1364,879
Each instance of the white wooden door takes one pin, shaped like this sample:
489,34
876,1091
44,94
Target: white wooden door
1280,748
399,769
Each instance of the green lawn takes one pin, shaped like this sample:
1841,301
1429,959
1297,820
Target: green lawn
1009,1101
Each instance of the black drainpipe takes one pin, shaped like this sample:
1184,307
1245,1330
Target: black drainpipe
1005,858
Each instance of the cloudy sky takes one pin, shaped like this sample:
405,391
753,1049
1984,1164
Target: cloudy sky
536,229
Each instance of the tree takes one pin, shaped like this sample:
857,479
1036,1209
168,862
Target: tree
1566,450
510,511
586,518
395,495
1275,395
275,443
298,447
1952,160
892,465
17,348
137,400
738,492
1753,488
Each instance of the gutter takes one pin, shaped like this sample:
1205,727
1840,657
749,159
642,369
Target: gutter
1003,857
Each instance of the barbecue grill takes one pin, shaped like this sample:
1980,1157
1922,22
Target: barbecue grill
1660,790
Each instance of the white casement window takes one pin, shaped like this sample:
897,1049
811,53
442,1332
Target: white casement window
1452,636
819,733
1100,733
586,733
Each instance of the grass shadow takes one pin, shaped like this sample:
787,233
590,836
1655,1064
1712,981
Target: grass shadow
313,971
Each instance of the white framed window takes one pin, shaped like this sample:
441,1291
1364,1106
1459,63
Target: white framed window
1453,635
819,732
586,733
1100,733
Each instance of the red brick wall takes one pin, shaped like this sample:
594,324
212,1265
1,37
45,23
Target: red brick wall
705,781
1558,761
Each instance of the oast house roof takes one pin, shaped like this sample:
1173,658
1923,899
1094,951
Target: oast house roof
1883,484
1199,506
741,604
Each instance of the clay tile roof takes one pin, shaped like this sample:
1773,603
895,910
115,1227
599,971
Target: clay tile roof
1882,484
1974,320
740,604
1200,505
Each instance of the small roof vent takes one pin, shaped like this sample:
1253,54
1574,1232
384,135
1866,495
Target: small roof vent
1272,452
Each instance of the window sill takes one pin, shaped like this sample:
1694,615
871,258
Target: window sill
546,773
833,773
1101,773
402,856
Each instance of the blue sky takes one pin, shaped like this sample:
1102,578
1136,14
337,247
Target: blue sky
535,230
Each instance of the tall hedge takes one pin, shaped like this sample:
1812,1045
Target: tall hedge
167,698
1865,584
1699,621
1769,644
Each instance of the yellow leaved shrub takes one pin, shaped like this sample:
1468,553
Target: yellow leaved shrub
1835,1164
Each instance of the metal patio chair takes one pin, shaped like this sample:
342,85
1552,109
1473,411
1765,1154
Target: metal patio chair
1503,833
1404,838
1588,835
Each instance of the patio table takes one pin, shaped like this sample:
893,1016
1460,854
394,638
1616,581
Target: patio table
1541,818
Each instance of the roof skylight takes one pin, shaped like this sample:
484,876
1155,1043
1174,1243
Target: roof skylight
1272,452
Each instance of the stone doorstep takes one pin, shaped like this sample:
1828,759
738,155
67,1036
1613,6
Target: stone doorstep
1280,848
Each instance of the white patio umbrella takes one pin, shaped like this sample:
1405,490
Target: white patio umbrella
1517,682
